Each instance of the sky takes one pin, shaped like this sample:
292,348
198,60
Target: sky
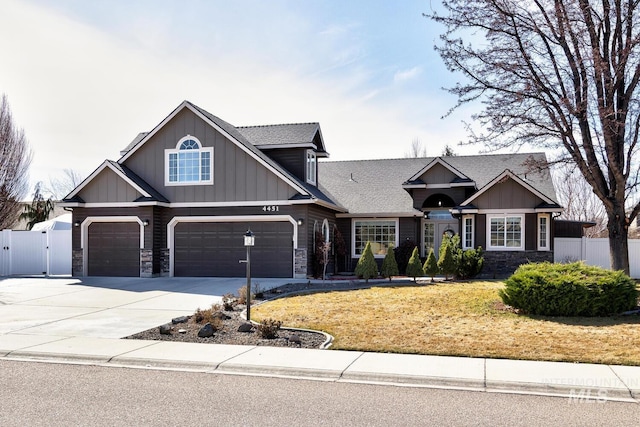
83,78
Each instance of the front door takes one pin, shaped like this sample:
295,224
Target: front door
433,232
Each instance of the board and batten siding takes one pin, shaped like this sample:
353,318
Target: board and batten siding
237,176
438,174
108,187
507,195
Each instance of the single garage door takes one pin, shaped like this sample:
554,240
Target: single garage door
114,249
214,249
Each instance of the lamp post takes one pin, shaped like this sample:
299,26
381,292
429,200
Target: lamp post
249,240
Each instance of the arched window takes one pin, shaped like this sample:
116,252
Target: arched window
325,230
189,163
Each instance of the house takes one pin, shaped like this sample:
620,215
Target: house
181,197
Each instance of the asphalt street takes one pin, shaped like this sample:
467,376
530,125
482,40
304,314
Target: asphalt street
50,394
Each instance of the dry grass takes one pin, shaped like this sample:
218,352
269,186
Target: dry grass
459,319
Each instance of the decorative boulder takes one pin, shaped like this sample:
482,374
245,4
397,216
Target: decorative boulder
245,327
295,340
165,329
181,319
206,331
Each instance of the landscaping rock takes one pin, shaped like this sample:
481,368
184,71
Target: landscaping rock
181,319
206,331
295,340
182,331
220,315
245,327
165,329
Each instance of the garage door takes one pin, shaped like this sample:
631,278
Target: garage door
114,249
214,249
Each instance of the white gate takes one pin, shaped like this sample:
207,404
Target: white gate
35,252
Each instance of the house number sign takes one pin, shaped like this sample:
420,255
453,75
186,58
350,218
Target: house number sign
271,208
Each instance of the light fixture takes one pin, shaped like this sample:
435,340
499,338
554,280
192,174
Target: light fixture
300,221
426,215
145,222
76,224
249,238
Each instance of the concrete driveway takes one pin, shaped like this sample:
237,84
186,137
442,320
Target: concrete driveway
106,307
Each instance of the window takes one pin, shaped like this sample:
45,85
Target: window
311,167
467,232
506,232
381,234
189,163
543,232
429,238
325,230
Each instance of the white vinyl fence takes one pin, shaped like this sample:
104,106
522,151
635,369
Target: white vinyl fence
594,252
35,252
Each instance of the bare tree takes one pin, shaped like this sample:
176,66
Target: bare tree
416,150
579,201
60,186
447,151
558,74
15,158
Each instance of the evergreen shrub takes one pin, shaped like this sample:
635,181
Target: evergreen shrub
414,267
430,267
367,267
389,264
572,289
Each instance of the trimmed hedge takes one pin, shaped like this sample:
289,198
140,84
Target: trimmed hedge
572,289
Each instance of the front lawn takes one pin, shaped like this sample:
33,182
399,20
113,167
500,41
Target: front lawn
455,319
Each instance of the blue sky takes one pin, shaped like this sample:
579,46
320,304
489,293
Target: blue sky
84,77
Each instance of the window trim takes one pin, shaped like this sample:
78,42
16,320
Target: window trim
353,233
506,248
465,244
547,247
168,152
311,167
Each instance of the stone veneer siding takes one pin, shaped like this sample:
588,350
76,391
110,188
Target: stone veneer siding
164,262
77,267
500,265
300,263
146,263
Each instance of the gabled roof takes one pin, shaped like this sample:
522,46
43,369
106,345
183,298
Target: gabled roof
375,186
142,187
440,161
294,135
507,174
235,136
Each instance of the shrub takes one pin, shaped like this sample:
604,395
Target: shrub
269,328
403,254
389,264
242,294
430,267
446,260
367,267
414,268
569,290
229,301
209,315
469,263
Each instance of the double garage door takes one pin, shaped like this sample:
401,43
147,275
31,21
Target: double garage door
215,249
206,249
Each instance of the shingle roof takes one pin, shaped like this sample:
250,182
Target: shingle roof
155,195
294,133
375,186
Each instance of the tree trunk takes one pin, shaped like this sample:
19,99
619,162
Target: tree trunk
618,240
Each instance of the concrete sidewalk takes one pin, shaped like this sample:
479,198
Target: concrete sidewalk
65,320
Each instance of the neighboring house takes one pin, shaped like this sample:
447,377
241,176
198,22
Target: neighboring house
181,197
